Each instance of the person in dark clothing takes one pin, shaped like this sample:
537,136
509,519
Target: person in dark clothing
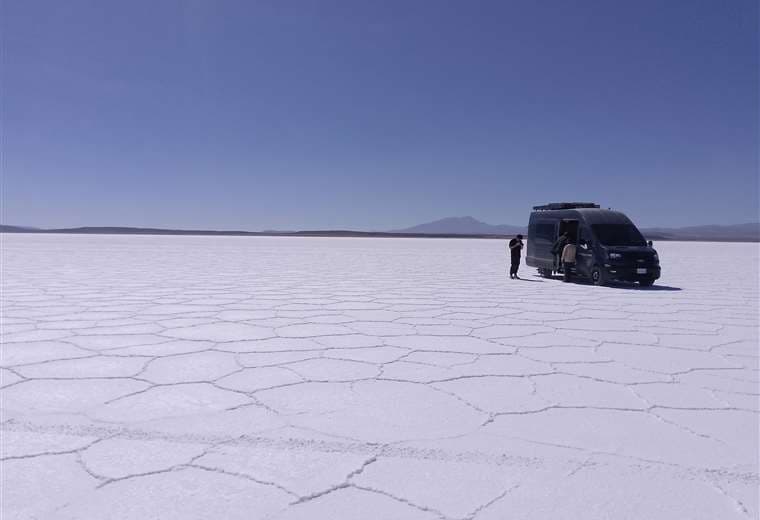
557,249
515,250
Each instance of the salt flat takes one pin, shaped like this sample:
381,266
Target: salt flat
305,378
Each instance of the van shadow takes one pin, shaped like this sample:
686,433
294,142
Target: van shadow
635,287
631,286
628,286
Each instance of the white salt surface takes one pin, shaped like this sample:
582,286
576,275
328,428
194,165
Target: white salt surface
288,378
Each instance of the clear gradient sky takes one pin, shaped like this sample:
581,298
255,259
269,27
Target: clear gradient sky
375,114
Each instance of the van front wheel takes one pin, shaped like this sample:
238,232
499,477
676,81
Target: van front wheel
597,276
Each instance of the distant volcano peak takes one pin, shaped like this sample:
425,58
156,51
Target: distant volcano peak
466,225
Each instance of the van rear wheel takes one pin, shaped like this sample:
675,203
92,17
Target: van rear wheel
597,276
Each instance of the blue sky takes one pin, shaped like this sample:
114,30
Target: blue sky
376,115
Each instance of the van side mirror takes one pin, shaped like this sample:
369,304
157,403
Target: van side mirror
649,243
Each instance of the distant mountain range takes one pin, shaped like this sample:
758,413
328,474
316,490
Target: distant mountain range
468,225
464,226
749,232
453,227
103,230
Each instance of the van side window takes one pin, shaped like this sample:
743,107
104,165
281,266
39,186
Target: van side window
545,231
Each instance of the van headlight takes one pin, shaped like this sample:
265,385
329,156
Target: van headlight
615,256
656,259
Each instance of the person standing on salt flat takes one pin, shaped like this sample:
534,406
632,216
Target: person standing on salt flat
515,250
568,259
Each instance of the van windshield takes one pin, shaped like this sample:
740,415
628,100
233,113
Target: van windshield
618,235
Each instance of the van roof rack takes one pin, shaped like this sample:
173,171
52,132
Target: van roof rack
565,205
